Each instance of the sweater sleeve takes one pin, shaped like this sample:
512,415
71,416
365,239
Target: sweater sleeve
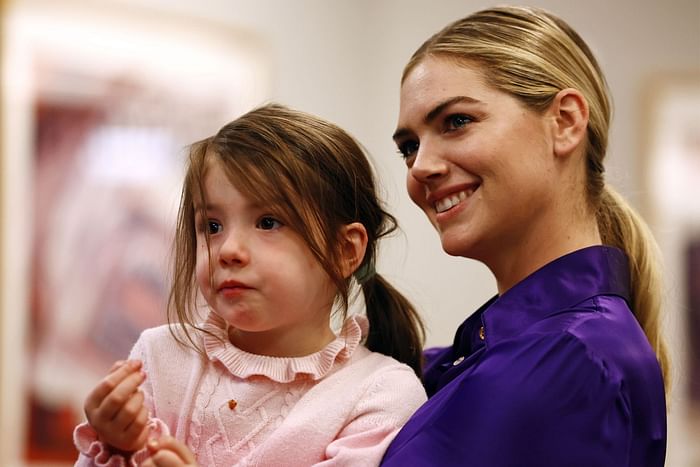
93,452
386,406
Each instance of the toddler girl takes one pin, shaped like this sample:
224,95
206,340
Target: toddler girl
278,222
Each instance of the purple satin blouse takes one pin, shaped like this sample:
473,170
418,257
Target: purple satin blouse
555,372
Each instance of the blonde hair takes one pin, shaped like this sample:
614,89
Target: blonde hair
531,54
317,179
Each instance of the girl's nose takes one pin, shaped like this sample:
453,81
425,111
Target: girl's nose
428,164
234,250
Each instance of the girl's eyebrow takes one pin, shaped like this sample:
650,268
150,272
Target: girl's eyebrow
209,206
198,207
434,112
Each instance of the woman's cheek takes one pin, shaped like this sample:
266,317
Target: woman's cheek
415,191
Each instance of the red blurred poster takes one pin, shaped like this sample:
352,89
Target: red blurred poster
111,101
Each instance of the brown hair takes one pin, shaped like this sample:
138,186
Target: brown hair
318,179
531,54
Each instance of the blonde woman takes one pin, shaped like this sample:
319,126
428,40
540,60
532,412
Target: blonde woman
503,126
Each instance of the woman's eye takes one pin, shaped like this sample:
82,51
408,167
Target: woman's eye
213,227
408,148
269,223
454,122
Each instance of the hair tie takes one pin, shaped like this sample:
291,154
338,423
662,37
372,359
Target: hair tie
365,272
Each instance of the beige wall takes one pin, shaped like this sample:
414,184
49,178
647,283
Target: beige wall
342,60
3,389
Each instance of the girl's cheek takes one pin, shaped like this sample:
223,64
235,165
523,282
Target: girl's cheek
202,274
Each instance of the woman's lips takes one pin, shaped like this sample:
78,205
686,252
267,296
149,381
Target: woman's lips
453,199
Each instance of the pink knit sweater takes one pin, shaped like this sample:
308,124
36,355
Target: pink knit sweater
340,406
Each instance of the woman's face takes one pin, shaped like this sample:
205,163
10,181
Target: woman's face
479,163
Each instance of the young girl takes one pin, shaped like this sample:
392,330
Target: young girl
279,213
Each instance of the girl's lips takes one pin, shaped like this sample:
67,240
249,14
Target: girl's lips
232,285
232,288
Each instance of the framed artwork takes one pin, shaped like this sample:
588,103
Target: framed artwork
692,276
98,109
671,185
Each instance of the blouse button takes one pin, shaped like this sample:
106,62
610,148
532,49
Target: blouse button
482,333
458,361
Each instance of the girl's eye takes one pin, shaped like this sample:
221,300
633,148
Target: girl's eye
268,223
214,227
408,148
457,121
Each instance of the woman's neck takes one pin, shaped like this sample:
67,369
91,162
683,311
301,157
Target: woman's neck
541,248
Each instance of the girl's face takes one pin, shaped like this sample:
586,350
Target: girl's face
480,164
265,281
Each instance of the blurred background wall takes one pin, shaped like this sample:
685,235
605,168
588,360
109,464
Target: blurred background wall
99,98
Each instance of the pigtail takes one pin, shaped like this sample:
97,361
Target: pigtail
395,327
621,226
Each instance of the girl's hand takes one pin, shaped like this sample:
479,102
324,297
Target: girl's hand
115,408
169,452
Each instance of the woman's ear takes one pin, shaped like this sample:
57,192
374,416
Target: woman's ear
353,244
570,112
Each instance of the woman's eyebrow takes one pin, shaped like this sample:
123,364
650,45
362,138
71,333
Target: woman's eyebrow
434,112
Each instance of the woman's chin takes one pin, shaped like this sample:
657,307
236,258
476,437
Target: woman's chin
457,247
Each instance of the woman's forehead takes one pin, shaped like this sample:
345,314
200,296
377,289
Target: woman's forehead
444,74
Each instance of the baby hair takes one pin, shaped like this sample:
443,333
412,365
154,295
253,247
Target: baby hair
317,179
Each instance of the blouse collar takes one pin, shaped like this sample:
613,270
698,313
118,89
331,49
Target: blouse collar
282,369
561,284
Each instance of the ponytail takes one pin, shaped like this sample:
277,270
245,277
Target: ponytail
395,327
621,226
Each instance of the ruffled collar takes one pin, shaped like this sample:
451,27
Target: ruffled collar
282,369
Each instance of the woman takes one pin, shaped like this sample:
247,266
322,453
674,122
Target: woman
503,125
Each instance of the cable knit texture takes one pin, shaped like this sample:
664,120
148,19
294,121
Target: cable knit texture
339,406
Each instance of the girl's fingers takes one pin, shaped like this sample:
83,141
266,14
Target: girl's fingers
110,383
140,439
140,421
165,458
139,429
115,408
116,365
169,452
120,396
129,411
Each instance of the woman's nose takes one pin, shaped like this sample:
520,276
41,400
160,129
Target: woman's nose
428,164
234,250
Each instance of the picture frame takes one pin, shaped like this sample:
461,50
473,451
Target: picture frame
670,188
